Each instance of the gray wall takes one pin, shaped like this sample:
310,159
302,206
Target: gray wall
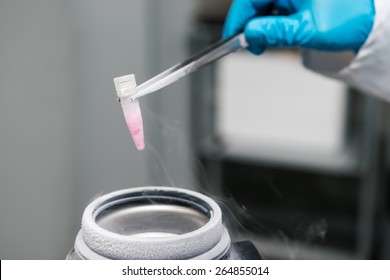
62,136
167,112
35,110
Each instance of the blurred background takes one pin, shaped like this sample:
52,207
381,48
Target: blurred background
298,162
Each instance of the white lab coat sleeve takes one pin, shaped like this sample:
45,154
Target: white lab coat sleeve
369,69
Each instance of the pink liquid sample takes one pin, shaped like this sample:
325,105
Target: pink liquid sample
133,117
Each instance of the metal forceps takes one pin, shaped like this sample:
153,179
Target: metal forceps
171,75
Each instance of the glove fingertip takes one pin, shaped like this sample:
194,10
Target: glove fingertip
254,38
228,30
225,33
256,50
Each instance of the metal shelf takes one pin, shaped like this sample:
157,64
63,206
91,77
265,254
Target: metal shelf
342,162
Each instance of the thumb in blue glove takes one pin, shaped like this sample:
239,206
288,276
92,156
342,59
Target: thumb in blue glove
331,25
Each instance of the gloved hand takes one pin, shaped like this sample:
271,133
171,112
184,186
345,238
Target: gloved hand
332,25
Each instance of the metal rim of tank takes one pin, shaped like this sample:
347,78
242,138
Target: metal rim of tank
183,224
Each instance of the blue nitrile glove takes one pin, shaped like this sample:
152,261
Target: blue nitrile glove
332,25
